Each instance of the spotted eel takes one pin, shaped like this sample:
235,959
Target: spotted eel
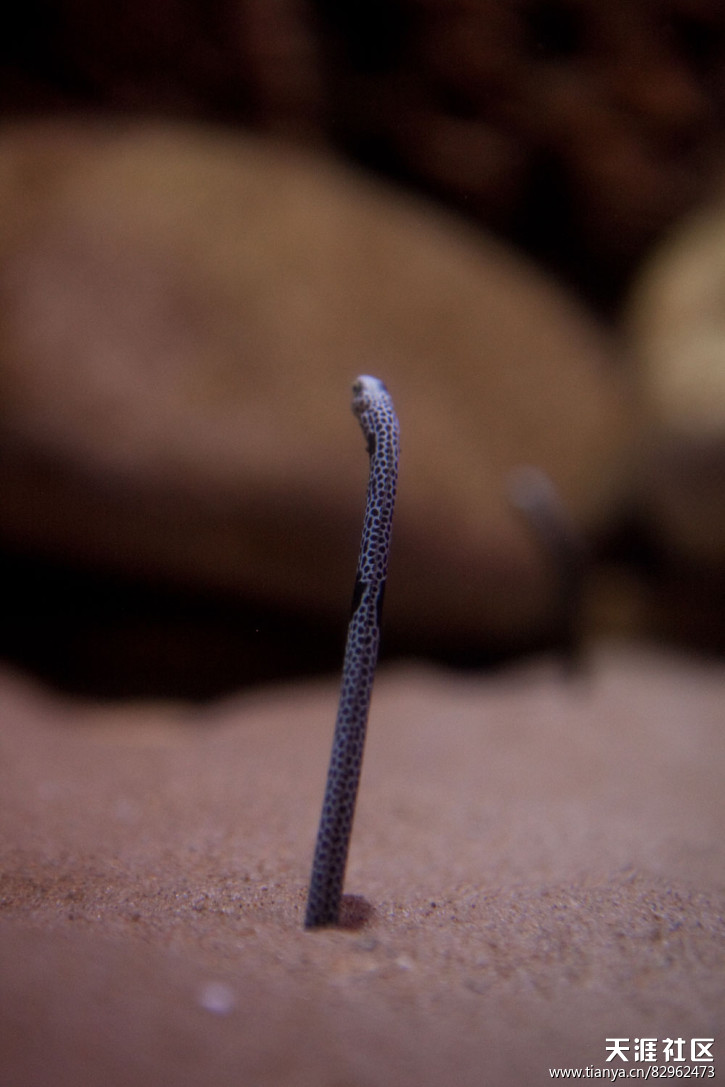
375,412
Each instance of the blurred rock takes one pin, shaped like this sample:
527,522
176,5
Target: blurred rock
677,325
182,315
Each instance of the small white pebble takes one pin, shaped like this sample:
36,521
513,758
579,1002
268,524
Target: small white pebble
217,997
404,962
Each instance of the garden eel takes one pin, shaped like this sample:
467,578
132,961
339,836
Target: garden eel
374,409
533,492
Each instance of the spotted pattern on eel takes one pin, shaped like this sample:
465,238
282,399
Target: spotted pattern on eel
375,412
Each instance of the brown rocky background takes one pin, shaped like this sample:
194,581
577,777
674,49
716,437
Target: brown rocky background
212,217
580,129
579,133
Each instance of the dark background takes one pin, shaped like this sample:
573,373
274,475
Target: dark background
579,131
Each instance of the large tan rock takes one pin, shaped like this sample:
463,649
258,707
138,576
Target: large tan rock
182,315
539,867
677,328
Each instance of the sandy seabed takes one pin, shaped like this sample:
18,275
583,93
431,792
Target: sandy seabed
537,867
